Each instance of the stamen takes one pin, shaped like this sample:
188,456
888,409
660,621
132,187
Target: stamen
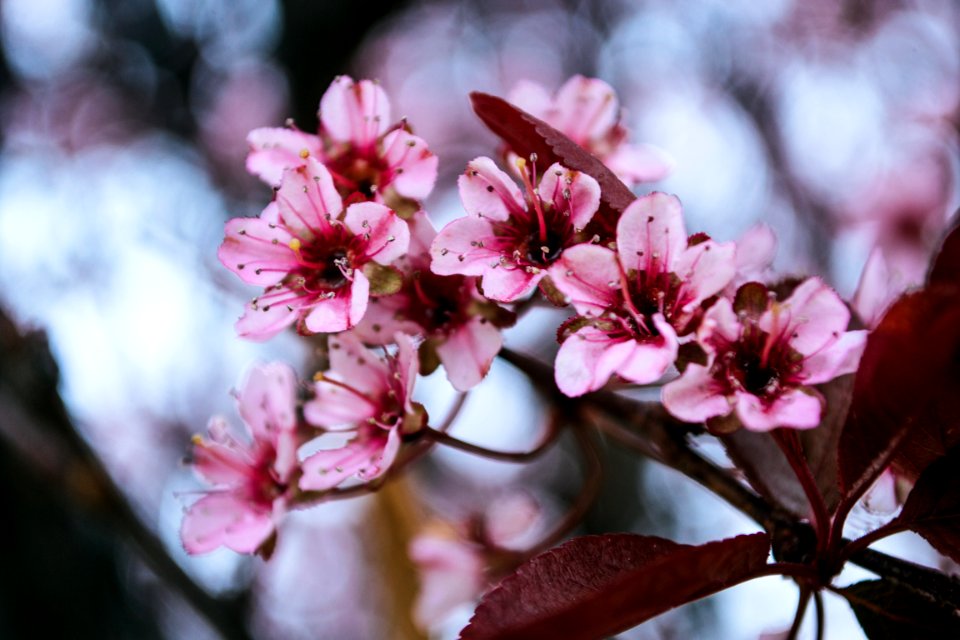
534,198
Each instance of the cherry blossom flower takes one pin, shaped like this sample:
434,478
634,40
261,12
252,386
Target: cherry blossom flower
315,259
586,111
635,303
461,328
508,240
763,357
456,564
364,153
755,252
253,477
369,398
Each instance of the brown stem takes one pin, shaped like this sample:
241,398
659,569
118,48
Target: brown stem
553,430
889,529
801,610
789,444
638,421
818,608
593,479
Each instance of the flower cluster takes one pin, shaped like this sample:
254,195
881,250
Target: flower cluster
346,250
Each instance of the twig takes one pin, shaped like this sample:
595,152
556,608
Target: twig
28,393
670,447
441,437
801,610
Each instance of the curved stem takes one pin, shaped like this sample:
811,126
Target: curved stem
818,608
593,477
789,444
789,570
440,437
454,411
801,609
892,527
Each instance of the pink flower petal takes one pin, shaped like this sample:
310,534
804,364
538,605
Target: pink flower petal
584,193
793,408
224,519
344,310
326,469
590,276
257,251
587,359
531,97
307,198
708,267
839,358
422,233
636,163
719,326
413,162
274,150
468,353
756,249
336,408
407,366
464,247
650,234
262,322
357,112
813,316
695,396
586,108
380,322
386,235
451,574
488,192
222,464
648,360
267,399
351,361
506,284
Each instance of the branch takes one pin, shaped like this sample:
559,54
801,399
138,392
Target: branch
35,415
647,428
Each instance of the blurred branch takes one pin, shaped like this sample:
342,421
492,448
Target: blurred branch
813,215
37,426
647,428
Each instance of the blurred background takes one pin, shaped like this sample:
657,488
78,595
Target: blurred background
123,127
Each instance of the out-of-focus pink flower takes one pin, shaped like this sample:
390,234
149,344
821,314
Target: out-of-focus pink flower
452,573
368,396
252,477
458,324
755,252
363,151
880,284
762,360
586,110
314,258
508,240
457,564
635,302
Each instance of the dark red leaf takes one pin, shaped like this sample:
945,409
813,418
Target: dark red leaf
526,134
767,469
888,611
933,507
946,267
597,586
906,397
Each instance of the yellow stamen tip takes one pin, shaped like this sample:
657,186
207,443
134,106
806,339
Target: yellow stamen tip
295,244
304,153
521,164
318,376
197,439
